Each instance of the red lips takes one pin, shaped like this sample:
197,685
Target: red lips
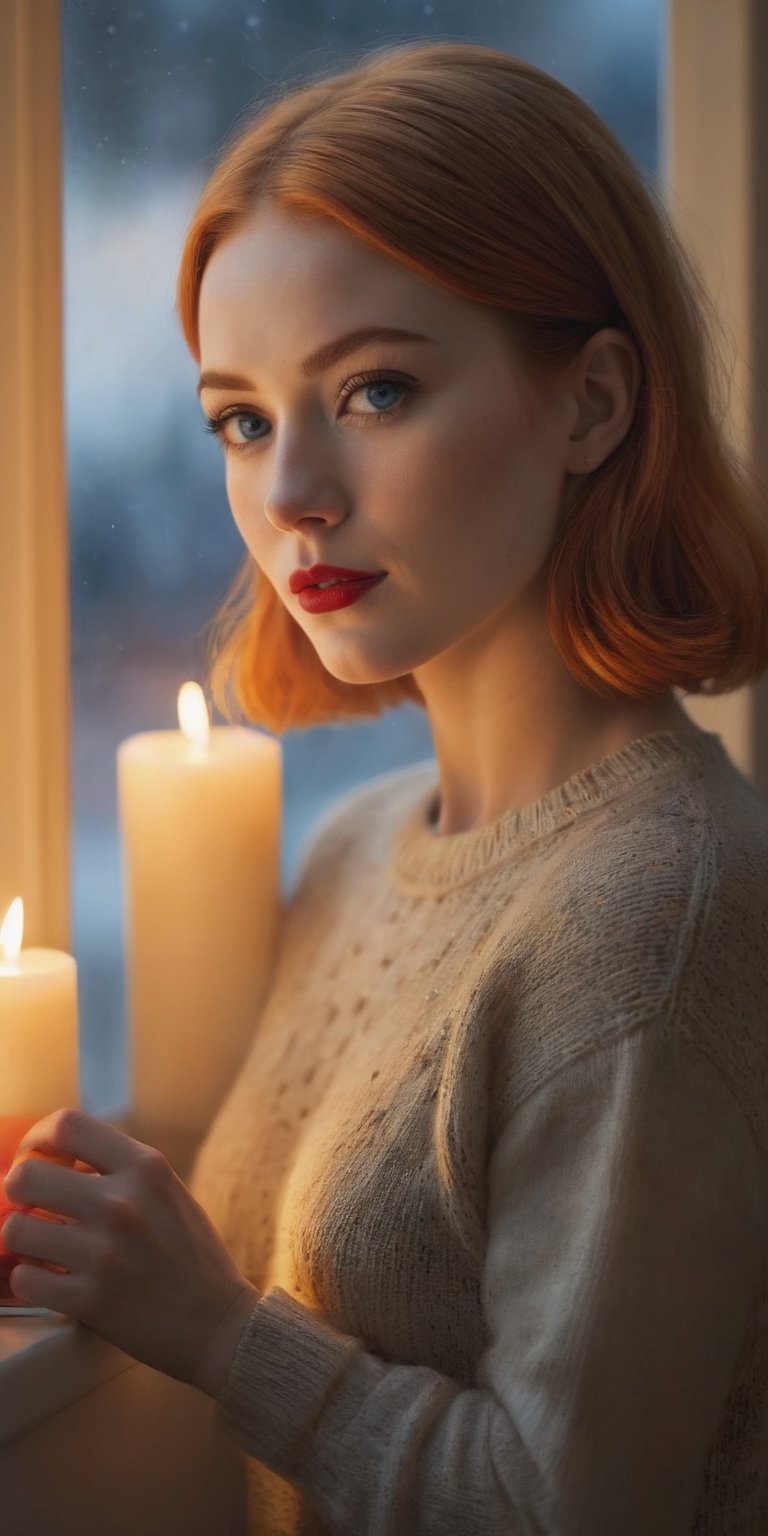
316,573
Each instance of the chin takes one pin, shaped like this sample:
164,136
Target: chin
363,674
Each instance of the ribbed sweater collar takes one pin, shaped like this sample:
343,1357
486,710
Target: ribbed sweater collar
423,860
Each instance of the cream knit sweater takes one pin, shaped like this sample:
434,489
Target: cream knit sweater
498,1162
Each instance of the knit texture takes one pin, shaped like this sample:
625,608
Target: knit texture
497,1162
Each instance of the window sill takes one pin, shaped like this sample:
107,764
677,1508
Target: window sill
92,1440
47,1363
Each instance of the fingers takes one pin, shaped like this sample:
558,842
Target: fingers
41,1286
42,1238
80,1135
69,1191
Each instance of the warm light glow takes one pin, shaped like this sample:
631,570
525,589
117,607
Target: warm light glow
193,714
12,930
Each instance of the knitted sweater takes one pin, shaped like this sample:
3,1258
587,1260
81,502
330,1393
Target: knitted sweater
497,1162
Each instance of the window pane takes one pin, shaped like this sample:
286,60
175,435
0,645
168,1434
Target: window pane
149,94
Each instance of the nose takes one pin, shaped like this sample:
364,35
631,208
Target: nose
303,487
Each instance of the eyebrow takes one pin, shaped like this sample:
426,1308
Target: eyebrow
317,362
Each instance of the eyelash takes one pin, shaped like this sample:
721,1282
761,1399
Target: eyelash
216,424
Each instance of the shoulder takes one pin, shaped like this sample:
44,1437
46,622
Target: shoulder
655,874
651,914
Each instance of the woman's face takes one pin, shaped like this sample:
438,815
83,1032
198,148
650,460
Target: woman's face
439,472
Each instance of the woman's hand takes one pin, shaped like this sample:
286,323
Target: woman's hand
143,1265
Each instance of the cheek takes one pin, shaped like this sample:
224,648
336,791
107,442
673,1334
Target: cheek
470,471
243,493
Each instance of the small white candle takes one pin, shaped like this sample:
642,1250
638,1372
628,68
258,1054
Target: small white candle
201,821
38,1024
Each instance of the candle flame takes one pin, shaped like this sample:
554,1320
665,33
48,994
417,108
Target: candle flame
193,714
12,930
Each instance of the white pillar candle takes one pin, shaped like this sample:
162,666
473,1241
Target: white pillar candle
201,821
38,1024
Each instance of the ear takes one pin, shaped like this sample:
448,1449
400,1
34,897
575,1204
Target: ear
605,388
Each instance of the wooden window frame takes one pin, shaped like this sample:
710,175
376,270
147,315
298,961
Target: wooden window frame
714,130
714,122
35,798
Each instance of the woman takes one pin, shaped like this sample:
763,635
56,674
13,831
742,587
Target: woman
476,1242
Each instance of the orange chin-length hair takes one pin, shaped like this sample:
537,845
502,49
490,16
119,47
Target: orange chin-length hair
482,173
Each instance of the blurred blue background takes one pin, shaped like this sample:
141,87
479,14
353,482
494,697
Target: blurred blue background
150,92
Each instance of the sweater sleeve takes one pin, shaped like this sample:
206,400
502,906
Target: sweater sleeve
625,1237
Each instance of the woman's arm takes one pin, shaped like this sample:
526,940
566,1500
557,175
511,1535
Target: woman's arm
220,1352
626,1232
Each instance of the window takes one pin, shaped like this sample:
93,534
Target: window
148,94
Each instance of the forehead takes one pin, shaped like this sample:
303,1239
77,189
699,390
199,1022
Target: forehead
308,277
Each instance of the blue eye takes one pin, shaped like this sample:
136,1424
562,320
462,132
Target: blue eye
384,384
353,386
216,424
368,382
